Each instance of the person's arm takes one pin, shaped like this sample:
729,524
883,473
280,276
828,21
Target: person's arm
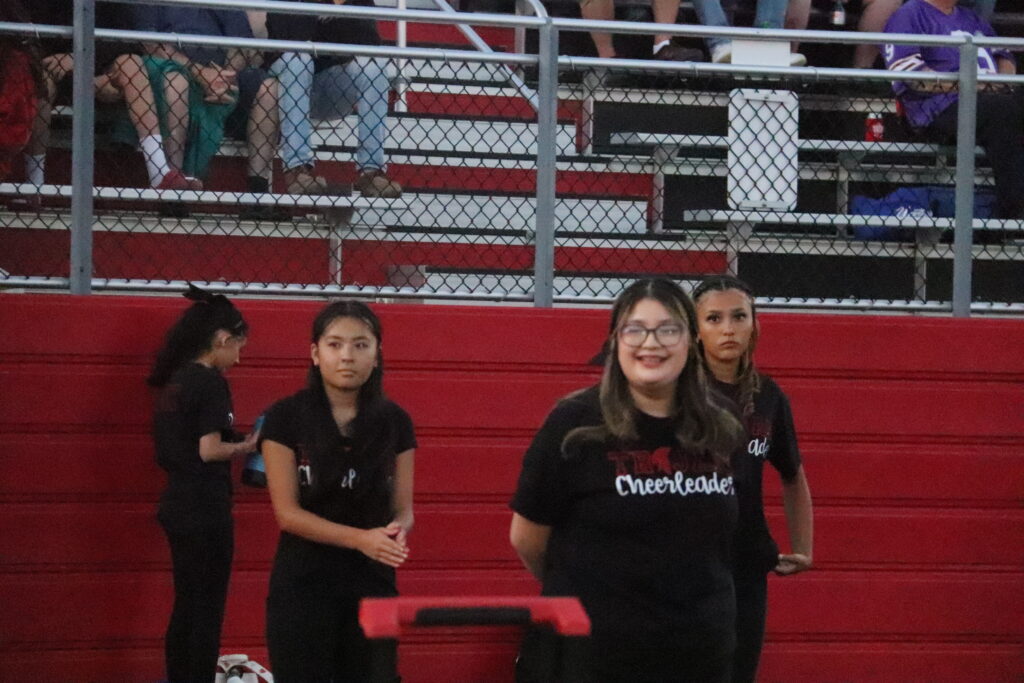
283,485
796,500
402,519
212,447
530,541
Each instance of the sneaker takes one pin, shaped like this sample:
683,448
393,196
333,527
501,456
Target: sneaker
174,180
678,53
797,59
722,53
194,184
373,183
300,180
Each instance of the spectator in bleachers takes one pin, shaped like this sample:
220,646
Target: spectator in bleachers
328,87
21,84
197,87
873,16
931,108
120,78
983,8
769,14
665,12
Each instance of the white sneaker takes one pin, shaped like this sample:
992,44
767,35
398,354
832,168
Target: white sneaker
722,53
797,59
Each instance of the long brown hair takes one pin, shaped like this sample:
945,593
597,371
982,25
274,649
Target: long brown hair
704,429
747,378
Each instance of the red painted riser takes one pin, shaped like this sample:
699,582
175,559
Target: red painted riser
489,106
497,38
269,259
918,607
120,468
93,535
474,660
227,174
912,453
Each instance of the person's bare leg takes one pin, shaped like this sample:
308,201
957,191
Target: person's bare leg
262,130
798,13
665,12
176,95
128,81
600,10
131,83
55,68
873,18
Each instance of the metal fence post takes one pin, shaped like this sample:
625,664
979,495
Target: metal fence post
544,227
967,110
82,146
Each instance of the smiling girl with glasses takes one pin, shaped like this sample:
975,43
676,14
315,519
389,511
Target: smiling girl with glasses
625,500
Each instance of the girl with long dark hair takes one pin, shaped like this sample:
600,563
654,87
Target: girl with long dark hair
192,429
626,501
339,460
728,333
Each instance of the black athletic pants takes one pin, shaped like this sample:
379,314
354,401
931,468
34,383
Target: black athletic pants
314,636
547,658
201,560
751,606
1000,132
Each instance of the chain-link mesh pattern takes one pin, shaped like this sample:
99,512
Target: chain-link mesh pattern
811,190
417,177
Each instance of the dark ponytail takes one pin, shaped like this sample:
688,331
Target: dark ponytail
193,332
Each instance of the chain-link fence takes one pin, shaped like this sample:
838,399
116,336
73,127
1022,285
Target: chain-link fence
323,160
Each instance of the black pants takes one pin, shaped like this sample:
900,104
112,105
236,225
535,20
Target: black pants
202,566
547,658
1000,132
314,636
751,606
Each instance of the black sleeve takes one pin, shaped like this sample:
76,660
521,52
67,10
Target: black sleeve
279,425
784,454
405,433
211,401
541,495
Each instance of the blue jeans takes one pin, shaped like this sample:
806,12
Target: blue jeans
331,94
769,14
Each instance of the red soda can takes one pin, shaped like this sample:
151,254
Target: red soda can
874,128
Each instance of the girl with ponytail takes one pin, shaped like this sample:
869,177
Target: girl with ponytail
192,430
728,334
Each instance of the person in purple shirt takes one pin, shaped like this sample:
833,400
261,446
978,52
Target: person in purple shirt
930,108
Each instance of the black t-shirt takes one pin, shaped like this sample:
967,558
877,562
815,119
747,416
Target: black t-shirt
347,480
640,537
324,29
771,436
195,402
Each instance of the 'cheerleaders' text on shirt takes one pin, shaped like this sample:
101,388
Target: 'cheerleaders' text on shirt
679,485
633,470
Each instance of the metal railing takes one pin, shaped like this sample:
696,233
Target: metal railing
618,193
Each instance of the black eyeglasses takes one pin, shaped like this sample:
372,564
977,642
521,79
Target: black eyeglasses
666,335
